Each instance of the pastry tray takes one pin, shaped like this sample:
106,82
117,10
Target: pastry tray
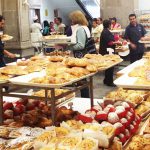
24,80
131,66
104,68
129,82
117,31
144,42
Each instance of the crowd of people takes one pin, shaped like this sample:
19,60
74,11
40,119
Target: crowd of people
100,32
79,31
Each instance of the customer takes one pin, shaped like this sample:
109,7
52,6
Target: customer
107,41
2,50
135,32
51,27
100,24
59,26
114,24
46,28
95,33
80,33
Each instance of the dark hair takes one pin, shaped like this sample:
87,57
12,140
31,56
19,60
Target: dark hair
1,18
45,23
106,23
94,19
100,19
132,15
35,21
60,19
114,18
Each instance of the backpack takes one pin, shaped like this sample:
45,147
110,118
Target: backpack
88,49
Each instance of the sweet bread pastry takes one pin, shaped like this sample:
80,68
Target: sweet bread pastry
78,71
88,144
3,77
93,56
4,132
76,62
13,70
56,58
61,131
34,68
91,68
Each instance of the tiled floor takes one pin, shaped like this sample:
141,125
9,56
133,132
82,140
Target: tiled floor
100,90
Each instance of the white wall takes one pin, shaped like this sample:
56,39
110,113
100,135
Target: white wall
144,5
47,4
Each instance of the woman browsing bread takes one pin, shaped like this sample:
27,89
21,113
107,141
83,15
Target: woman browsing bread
80,33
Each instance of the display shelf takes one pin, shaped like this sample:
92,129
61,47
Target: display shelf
72,88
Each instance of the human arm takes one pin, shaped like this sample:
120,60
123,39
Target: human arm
11,55
81,40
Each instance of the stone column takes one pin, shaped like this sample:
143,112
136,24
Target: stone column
17,25
119,9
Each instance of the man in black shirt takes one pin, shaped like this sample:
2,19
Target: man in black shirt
135,32
2,50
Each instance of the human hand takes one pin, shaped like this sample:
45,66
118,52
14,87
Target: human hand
11,55
133,46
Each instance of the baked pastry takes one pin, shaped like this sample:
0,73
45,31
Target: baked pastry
56,58
76,62
88,144
91,68
78,71
21,62
13,70
4,132
3,77
61,131
34,68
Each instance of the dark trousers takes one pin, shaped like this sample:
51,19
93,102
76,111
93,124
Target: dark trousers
2,62
135,57
85,93
109,76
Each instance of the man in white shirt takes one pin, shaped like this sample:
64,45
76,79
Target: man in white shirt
59,26
36,26
100,24
36,34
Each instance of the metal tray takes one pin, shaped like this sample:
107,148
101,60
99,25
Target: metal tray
144,42
129,82
131,66
24,80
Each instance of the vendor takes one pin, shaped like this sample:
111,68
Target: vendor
2,50
107,41
114,24
135,32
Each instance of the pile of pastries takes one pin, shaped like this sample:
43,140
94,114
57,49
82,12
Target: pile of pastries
144,108
51,37
33,113
59,53
4,77
6,37
138,99
59,69
70,135
135,97
142,73
119,115
141,141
